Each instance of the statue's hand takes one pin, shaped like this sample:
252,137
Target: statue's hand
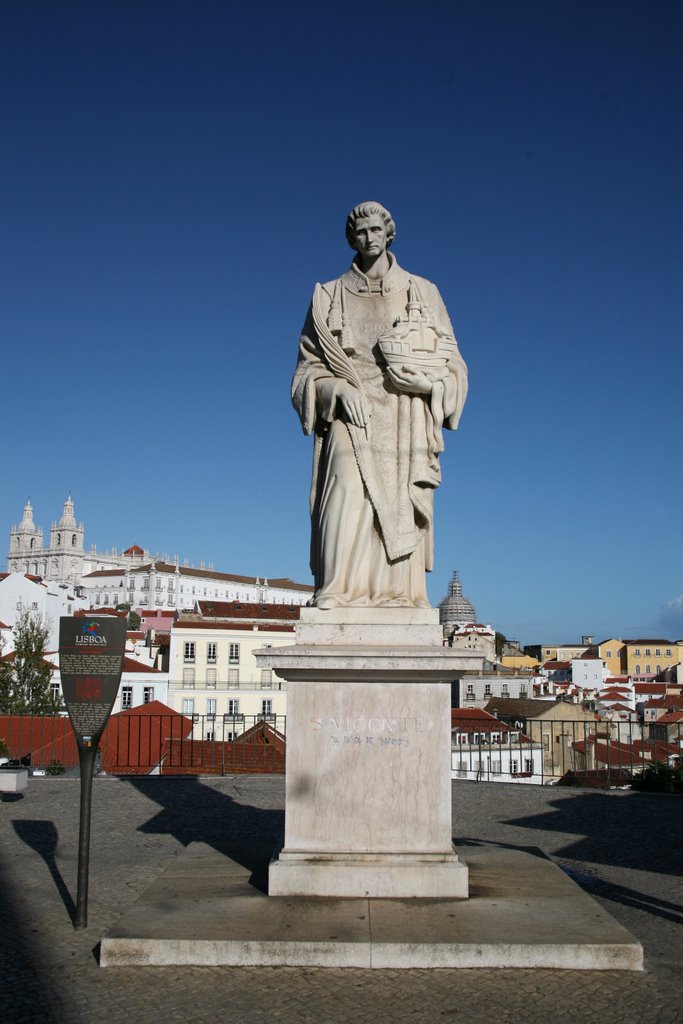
353,404
415,382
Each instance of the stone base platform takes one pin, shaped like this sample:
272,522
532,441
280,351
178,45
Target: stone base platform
380,875
210,908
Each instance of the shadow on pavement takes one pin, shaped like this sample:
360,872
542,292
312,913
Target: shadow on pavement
197,813
648,837
42,836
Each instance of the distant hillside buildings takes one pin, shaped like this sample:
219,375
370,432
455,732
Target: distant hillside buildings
134,576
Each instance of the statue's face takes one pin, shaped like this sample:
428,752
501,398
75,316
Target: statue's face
371,235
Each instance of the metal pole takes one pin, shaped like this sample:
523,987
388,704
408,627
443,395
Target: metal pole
87,760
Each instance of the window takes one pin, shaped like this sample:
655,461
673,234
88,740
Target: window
659,669
211,707
528,765
487,689
637,670
189,650
234,654
495,768
608,654
188,678
266,678
266,707
647,652
637,652
211,678
233,676
523,690
188,705
514,767
658,652
55,691
668,652
148,694
647,670
505,692
211,651
211,736
126,696
234,706
470,692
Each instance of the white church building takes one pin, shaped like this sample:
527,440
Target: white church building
134,576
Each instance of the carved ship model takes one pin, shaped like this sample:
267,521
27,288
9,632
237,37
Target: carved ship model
414,340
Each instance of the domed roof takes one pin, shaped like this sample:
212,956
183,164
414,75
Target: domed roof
68,519
455,609
27,525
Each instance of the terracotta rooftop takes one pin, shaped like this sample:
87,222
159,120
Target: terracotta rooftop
248,610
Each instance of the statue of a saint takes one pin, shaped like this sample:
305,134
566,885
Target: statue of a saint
379,374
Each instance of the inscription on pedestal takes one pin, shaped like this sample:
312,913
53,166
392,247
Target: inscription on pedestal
373,733
381,746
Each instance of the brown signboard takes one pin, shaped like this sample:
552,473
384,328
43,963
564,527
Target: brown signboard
90,664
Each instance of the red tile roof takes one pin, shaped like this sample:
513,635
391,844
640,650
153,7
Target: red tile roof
104,572
248,610
261,627
134,739
131,665
471,714
670,718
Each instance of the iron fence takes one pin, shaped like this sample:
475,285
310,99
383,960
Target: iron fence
586,752
532,751
152,744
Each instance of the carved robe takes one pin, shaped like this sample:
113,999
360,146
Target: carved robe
372,489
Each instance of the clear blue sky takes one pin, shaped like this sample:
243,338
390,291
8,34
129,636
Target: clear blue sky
175,178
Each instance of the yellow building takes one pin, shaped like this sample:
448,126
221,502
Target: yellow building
649,657
520,660
609,652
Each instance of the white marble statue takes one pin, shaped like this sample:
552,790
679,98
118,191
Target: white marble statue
379,374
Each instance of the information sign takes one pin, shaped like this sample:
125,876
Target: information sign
90,664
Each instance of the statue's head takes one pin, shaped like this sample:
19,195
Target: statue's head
362,212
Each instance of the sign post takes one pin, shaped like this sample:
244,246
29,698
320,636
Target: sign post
90,664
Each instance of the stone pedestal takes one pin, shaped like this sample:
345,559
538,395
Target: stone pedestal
368,781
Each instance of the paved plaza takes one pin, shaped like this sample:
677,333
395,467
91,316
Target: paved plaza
623,848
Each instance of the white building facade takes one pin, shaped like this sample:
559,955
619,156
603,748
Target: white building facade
214,676
170,587
47,600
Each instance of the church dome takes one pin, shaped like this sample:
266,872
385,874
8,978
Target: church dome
455,609
27,525
68,519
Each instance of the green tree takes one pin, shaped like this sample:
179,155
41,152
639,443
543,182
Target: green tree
501,641
133,617
25,675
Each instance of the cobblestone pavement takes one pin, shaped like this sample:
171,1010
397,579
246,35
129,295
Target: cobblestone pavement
624,848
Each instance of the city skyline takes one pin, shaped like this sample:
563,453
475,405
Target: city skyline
178,180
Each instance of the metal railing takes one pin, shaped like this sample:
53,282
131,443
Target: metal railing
153,744
598,753
587,752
